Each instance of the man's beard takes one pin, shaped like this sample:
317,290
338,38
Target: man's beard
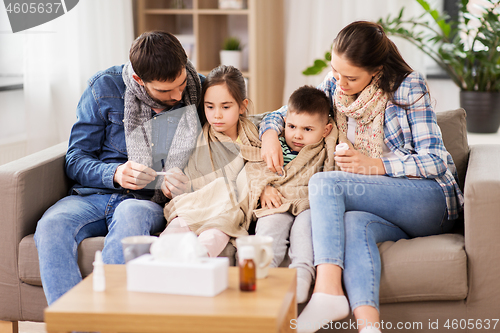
167,104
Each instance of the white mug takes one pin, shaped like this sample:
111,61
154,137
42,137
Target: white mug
136,246
263,252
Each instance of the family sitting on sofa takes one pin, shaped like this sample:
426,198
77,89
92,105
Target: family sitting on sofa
394,180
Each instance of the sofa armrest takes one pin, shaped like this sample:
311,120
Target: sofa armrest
30,185
482,230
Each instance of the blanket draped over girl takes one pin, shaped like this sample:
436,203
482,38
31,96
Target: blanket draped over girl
219,197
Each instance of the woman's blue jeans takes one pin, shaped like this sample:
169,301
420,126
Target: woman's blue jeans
74,218
351,213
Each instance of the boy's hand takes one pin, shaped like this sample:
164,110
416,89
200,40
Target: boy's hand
353,161
174,183
133,175
270,198
271,151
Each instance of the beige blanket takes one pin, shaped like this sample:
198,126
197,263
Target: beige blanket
293,185
218,183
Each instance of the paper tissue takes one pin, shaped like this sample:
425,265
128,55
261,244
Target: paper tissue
178,264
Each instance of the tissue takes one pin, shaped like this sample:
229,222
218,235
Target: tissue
178,247
178,264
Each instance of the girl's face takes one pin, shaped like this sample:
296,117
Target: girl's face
351,79
222,110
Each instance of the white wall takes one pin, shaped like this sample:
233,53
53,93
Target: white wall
11,47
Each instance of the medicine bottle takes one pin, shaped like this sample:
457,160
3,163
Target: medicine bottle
246,255
99,280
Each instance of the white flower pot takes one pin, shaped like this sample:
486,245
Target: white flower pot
230,58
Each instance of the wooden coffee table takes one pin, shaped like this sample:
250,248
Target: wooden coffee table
269,309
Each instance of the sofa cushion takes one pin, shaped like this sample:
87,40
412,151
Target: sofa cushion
423,269
454,130
29,269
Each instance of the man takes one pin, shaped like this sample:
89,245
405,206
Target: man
112,157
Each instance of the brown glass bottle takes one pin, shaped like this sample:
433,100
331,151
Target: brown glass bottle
248,272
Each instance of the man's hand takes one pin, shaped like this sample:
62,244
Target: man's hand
174,183
271,151
270,198
133,176
353,161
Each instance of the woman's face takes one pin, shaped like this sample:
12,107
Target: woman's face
351,79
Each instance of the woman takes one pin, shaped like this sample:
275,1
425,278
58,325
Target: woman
398,181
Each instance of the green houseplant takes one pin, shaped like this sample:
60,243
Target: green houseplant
467,49
232,44
231,52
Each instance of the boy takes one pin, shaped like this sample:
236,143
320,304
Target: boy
308,144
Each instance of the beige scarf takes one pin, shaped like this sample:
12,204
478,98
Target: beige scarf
368,109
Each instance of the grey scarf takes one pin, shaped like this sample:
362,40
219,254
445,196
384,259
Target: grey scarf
138,129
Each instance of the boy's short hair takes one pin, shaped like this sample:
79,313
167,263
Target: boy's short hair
157,56
310,100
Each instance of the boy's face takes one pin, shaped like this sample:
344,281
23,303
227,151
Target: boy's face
302,129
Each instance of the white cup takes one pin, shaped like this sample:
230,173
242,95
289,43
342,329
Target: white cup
263,252
136,246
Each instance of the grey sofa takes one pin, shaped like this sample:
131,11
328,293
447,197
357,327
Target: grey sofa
424,280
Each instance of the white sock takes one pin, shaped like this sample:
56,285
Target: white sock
321,309
304,281
303,286
370,329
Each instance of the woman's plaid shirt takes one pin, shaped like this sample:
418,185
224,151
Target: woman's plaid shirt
412,134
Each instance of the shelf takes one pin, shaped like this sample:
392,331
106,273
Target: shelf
259,26
169,11
222,11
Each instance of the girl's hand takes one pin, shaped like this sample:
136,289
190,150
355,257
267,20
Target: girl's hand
174,183
270,198
271,151
353,161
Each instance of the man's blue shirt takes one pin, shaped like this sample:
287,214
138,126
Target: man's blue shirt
97,140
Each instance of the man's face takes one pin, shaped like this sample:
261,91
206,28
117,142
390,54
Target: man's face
166,93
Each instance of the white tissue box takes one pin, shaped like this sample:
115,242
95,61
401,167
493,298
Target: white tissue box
208,277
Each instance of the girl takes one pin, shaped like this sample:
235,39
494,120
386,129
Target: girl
398,181
215,205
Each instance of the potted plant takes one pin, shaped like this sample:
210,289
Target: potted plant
231,52
468,49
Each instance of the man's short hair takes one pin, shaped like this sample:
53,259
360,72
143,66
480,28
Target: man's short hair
157,56
310,100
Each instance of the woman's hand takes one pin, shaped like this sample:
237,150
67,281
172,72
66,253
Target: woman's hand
270,198
351,160
133,176
271,151
174,183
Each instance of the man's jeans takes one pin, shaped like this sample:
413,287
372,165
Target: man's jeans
74,218
351,213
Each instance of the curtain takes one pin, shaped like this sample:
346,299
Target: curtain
311,26
61,55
